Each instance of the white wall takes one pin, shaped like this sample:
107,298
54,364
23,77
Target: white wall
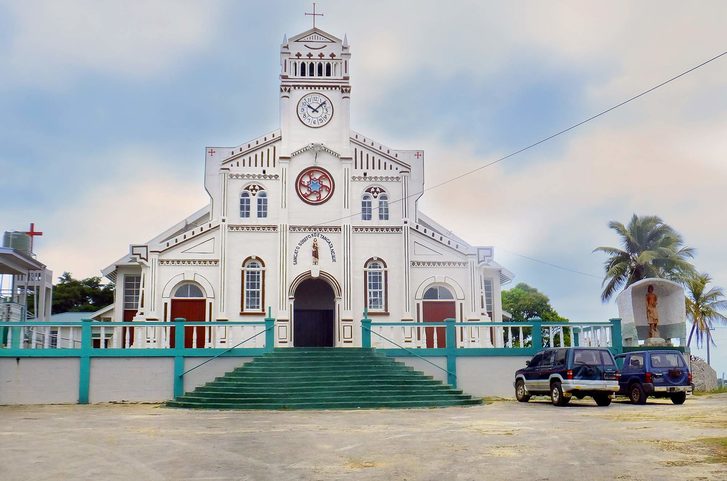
38,381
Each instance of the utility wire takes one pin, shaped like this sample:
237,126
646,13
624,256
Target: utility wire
534,144
567,269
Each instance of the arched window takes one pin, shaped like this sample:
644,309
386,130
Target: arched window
311,69
245,204
262,204
188,290
383,207
328,69
376,280
438,293
253,282
320,69
370,194
295,69
302,69
366,207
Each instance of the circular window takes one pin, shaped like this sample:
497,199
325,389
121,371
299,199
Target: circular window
314,185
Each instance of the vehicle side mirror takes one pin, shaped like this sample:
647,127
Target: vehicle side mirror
527,363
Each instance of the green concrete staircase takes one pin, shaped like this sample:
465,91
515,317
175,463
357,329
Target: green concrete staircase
323,378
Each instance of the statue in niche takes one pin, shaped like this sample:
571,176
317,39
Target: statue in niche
652,315
315,252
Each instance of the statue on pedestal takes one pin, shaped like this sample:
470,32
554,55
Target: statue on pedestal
652,315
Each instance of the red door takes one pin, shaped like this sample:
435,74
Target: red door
126,331
192,310
437,311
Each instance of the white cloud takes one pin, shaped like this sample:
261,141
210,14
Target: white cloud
95,227
52,41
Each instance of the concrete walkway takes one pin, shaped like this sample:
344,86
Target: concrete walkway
504,440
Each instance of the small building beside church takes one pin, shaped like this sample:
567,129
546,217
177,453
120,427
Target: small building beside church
313,223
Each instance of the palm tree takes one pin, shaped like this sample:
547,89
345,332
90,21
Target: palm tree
703,308
651,248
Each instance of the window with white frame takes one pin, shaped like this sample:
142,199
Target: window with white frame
188,290
262,204
487,296
245,204
376,285
132,287
253,281
383,207
366,207
371,194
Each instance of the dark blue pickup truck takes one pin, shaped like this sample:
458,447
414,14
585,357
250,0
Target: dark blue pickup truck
662,373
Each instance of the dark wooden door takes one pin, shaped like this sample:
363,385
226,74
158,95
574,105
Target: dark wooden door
437,311
190,310
313,328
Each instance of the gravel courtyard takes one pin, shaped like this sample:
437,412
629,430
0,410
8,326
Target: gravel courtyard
503,440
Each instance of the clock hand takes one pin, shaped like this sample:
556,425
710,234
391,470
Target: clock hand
319,106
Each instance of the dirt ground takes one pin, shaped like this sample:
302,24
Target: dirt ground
503,440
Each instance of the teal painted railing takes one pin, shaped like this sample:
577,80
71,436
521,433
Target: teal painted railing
470,339
88,339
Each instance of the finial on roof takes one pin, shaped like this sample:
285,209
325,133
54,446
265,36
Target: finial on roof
285,39
345,41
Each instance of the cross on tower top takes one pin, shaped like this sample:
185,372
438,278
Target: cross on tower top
314,14
32,233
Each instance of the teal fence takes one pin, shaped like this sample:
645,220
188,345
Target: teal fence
89,339
451,339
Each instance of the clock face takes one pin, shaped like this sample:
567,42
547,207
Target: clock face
314,185
315,110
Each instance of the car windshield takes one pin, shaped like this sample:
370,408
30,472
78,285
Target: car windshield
671,359
592,357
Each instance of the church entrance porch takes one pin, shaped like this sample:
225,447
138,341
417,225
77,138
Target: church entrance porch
314,314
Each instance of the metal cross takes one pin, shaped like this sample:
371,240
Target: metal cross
32,233
314,14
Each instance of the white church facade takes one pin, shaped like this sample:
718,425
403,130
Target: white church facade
313,224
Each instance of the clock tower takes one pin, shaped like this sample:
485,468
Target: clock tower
315,92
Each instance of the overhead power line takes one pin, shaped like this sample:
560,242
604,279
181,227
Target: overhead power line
567,269
543,140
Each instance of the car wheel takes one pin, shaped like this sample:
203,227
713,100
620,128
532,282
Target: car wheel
556,395
602,399
637,394
520,392
679,398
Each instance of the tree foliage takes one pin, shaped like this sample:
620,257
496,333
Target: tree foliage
703,307
87,295
650,248
524,302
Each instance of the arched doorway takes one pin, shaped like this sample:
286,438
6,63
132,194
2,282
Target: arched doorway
314,314
189,302
438,304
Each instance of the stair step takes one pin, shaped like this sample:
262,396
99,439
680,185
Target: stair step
327,405
323,378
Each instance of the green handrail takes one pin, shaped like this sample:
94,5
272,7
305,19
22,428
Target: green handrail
226,351
449,373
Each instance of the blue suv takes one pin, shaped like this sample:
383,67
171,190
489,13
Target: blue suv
662,373
569,371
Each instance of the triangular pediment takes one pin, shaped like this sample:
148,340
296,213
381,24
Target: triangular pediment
316,148
315,35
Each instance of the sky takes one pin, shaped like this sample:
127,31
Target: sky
106,108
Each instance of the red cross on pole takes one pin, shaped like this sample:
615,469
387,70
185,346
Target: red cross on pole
32,233
418,155
314,14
